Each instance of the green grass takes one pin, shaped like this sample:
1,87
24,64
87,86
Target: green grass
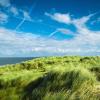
52,78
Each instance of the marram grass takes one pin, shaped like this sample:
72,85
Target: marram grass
52,78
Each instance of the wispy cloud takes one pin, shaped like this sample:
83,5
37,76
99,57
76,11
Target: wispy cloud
62,18
63,31
3,18
14,11
26,15
5,3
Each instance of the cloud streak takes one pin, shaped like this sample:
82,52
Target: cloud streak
26,16
63,31
62,18
3,18
14,10
5,3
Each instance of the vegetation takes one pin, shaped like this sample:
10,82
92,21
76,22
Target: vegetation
52,78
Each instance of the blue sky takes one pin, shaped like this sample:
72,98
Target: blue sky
49,27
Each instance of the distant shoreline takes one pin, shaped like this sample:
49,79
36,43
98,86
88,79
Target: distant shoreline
14,60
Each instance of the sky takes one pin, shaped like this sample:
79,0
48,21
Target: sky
31,28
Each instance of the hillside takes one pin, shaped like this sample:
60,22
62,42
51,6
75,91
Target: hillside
52,78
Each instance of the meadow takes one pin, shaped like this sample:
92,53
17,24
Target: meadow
52,78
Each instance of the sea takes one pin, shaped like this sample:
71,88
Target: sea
14,60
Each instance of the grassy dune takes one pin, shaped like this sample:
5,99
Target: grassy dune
52,78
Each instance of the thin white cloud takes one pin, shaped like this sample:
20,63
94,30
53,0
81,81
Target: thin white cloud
53,33
63,31
80,23
3,18
14,10
62,18
5,3
88,36
26,15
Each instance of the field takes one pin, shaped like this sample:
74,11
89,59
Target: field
52,78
